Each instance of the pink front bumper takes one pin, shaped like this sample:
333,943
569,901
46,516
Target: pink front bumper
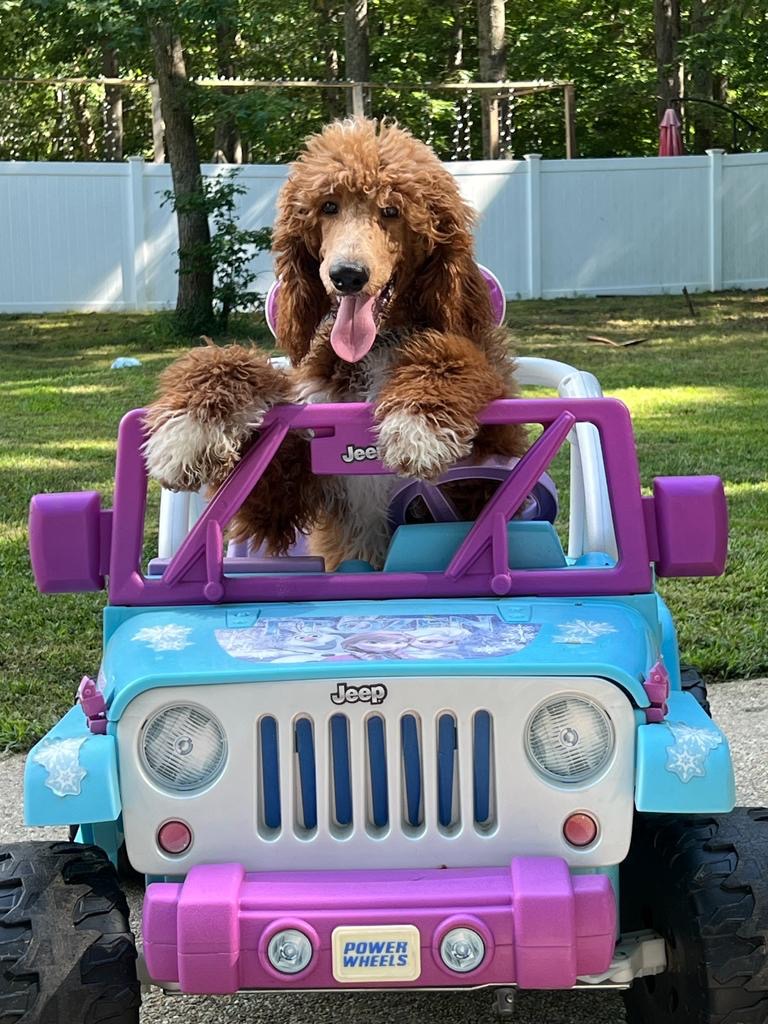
542,926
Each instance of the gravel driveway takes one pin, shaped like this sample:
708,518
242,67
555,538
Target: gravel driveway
741,708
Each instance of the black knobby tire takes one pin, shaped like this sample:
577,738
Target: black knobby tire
126,872
67,955
701,882
693,682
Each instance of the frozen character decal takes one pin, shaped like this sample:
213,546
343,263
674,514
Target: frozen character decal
383,638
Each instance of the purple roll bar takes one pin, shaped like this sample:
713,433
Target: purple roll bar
480,566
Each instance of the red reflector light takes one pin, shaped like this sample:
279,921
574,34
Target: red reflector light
174,837
580,829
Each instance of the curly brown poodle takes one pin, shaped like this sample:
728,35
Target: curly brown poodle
380,301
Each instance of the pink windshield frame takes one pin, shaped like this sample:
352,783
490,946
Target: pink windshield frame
479,568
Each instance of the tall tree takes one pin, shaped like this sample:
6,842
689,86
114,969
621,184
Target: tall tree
666,19
493,68
82,117
456,55
194,304
227,144
333,101
113,106
702,83
356,46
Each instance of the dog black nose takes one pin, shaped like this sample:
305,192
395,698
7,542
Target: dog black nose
348,278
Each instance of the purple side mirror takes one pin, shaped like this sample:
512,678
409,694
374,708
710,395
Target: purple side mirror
69,536
687,525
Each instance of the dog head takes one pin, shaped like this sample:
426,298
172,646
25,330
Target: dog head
371,226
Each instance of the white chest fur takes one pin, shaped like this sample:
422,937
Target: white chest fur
365,527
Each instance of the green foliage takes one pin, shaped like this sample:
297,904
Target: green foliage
606,49
229,252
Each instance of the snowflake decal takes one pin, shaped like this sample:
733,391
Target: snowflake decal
61,759
516,637
687,756
582,631
164,638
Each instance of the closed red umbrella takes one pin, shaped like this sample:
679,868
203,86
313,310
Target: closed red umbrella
670,136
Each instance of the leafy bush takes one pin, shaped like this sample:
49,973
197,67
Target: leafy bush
230,250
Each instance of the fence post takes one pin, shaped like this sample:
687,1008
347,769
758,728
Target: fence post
358,100
715,219
135,284
533,212
569,97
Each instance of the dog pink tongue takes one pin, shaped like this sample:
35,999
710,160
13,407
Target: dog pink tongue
354,330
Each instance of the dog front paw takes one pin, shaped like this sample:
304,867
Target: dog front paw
415,445
211,401
183,452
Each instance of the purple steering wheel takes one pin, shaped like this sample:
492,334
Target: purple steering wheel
541,504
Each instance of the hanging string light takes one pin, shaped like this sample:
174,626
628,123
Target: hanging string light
458,115
430,139
468,122
508,127
462,130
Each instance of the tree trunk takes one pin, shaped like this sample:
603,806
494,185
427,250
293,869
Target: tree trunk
113,106
227,144
493,68
666,16
61,143
194,304
456,57
333,101
356,54
158,127
85,133
700,116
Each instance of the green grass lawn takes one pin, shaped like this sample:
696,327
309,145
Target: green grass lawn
697,390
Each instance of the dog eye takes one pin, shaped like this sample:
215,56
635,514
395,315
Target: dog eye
390,211
330,207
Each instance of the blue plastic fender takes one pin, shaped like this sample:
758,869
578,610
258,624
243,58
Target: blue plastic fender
71,776
684,763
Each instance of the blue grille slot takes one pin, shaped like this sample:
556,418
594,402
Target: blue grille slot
305,749
342,782
377,763
446,747
409,733
270,772
482,766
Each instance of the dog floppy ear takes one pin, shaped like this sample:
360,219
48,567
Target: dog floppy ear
302,301
450,293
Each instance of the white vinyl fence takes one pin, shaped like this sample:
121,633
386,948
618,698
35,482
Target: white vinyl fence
95,236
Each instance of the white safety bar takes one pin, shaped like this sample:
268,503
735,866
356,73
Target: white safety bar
590,525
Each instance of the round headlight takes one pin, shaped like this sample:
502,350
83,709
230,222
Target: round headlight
183,748
569,738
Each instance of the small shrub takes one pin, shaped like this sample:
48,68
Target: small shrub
230,249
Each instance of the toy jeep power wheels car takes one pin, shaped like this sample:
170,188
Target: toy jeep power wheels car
478,767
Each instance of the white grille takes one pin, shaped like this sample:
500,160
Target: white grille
380,817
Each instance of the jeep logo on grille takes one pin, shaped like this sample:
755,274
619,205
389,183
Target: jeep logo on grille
373,694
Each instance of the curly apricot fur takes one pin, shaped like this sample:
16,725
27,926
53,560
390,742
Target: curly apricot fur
450,358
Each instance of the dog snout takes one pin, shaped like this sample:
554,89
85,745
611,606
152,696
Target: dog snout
349,278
